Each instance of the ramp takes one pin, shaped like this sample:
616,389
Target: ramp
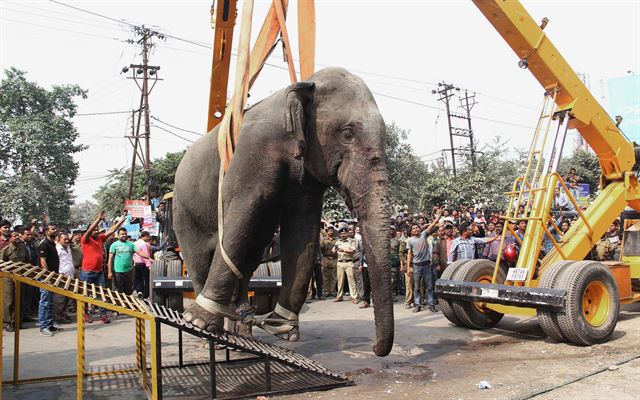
268,369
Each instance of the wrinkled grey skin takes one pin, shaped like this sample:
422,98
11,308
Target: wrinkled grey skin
293,145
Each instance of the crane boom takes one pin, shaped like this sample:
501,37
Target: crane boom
528,41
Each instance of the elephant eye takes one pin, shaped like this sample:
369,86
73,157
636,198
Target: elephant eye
348,133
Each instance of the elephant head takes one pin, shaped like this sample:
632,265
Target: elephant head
338,134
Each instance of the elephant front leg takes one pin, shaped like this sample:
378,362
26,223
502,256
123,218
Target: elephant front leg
214,301
299,242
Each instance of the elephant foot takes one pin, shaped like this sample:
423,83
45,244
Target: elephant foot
203,319
292,336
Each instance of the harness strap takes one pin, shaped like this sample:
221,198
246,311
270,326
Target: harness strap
225,256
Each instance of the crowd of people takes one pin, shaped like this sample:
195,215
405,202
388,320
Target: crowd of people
98,254
423,244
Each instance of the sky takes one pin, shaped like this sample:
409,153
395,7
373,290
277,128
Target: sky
402,49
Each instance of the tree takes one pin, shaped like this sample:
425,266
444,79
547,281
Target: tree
484,187
37,136
407,174
162,174
83,213
587,168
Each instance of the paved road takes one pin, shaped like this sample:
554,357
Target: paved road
430,358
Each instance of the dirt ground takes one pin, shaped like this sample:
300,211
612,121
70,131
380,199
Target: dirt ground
430,358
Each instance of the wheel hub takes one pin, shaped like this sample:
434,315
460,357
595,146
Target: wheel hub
596,303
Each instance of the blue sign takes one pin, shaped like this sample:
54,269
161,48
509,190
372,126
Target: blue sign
584,189
624,100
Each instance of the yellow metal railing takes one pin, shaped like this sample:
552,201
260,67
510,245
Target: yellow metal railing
83,294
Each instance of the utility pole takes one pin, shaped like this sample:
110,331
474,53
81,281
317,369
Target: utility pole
445,92
145,73
467,103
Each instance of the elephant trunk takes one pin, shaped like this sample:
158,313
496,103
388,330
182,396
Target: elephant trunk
373,218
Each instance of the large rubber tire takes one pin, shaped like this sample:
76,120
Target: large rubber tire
174,300
261,271
263,303
549,319
472,314
158,268
446,304
592,303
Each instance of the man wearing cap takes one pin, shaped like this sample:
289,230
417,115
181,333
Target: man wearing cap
329,261
346,249
92,255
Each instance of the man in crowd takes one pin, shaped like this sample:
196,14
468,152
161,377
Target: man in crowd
564,209
121,262
464,246
357,262
31,293
329,261
420,251
66,268
76,249
14,251
440,257
50,261
92,258
406,271
5,228
346,249
142,265
394,257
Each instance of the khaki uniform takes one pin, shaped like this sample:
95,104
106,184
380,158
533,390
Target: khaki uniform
408,276
345,265
329,264
16,252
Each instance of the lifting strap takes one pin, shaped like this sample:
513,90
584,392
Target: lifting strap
247,69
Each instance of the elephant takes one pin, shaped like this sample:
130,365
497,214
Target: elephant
323,132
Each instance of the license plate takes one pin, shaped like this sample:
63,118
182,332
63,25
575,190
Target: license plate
517,274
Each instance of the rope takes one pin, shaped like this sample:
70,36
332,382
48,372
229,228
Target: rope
274,326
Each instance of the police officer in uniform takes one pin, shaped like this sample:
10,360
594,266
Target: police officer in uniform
329,261
346,249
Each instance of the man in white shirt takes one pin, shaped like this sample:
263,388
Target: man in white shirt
66,268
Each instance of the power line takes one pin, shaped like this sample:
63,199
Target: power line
207,46
103,113
93,13
59,29
200,44
175,127
172,133
441,109
110,27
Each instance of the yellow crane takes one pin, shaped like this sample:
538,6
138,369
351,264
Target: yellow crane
575,300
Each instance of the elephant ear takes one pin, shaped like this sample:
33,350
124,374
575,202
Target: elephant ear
298,96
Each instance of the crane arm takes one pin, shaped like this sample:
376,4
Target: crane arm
535,50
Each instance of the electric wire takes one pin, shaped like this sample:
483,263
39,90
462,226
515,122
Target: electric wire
207,46
60,29
176,127
172,133
109,27
102,113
